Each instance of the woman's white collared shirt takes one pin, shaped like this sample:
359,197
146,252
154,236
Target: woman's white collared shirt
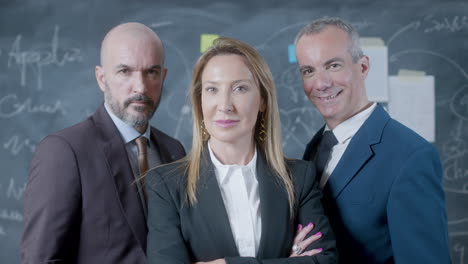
239,189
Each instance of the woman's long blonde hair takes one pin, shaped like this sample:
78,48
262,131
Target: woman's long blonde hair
270,145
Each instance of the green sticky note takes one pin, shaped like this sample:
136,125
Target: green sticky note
206,41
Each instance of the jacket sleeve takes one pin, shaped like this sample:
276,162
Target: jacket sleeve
165,243
416,211
52,203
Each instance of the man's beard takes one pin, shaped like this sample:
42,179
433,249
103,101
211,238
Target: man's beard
121,111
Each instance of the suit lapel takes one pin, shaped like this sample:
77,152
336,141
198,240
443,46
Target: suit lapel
164,153
358,152
122,175
211,201
274,208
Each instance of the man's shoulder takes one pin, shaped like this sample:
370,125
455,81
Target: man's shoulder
163,137
391,132
80,131
404,136
81,134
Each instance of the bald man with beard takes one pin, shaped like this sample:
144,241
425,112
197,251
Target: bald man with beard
84,202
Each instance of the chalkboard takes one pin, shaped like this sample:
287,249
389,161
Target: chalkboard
48,50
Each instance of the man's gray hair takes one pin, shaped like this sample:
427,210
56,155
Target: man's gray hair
320,24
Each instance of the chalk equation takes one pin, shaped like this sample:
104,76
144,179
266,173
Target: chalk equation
11,106
38,58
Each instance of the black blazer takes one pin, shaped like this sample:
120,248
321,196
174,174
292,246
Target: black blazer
80,203
178,233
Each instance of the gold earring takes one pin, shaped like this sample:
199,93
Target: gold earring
262,135
205,135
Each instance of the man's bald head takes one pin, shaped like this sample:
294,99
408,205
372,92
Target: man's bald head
130,32
132,73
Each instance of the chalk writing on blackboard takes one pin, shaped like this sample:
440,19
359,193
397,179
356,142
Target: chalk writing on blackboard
161,24
15,145
451,24
11,215
38,58
411,26
11,105
459,103
290,80
15,191
394,57
430,24
454,153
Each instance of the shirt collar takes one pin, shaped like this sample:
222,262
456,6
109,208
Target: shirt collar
127,132
225,168
349,127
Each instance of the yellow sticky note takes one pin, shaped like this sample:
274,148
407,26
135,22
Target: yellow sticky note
206,41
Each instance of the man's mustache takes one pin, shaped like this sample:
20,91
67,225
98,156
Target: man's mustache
139,98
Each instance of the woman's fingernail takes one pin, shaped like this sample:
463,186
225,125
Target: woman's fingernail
319,249
318,234
299,227
310,223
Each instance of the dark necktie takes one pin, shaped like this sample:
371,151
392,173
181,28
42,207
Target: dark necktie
323,152
142,144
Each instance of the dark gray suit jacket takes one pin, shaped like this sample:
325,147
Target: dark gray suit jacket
81,205
178,233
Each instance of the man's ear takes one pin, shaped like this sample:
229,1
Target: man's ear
364,66
165,73
100,77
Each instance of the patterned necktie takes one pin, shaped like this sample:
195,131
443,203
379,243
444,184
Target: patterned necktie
142,144
323,152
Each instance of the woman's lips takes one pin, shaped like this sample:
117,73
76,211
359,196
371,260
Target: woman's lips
226,123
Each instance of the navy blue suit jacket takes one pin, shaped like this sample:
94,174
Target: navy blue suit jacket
385,199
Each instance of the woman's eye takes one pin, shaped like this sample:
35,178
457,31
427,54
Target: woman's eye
240,88
210,89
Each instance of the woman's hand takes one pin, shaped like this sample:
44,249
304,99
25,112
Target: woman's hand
300,244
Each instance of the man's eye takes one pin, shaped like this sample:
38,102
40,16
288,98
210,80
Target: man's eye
306,71
334,66
123,71
153,72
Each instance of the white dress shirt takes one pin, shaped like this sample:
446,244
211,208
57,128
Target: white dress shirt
344,132
239,189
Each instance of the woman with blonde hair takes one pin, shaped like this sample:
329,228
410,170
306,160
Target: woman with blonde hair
235,198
